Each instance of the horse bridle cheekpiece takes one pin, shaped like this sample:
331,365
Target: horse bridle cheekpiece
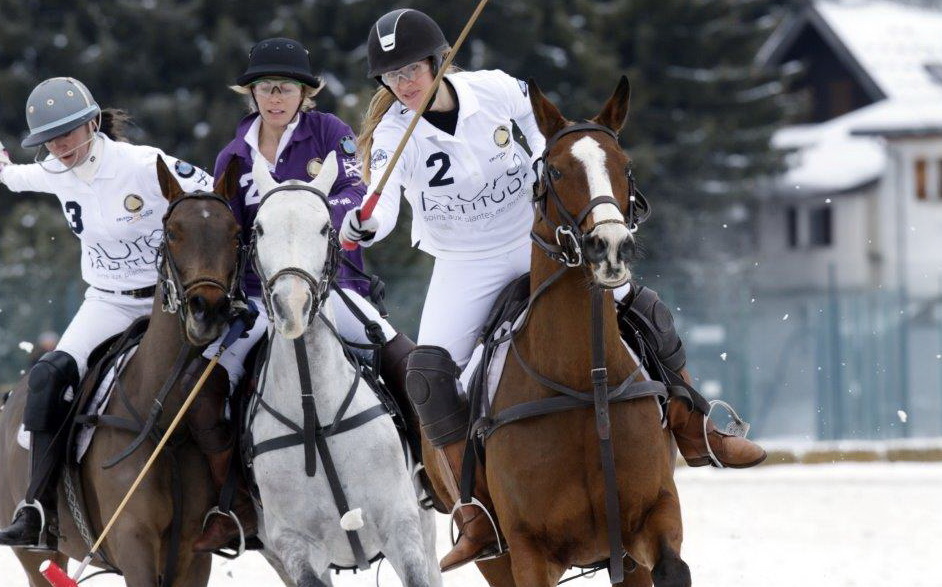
317,286
174,290
570,237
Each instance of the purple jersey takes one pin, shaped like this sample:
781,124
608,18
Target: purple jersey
314,137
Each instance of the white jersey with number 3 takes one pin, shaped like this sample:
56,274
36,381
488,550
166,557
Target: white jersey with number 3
117,215
470,193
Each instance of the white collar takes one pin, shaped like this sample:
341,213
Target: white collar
88,169
251,138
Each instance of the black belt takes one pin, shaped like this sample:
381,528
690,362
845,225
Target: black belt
144,292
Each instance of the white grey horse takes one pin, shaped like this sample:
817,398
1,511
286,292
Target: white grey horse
302,524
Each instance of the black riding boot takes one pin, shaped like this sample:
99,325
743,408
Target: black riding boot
33,516
394,358
214,436
46,409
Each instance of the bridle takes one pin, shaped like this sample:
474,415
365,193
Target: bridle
317,286
176,292
570,238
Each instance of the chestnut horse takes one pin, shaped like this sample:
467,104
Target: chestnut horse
577,458
151,541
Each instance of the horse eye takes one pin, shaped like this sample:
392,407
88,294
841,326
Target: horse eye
259,230
325,229
554,173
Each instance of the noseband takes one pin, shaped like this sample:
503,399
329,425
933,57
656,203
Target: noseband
174,290
570,238
316,286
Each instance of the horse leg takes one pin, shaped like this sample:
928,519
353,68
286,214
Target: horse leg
657,544
498,571
31,561
429,535
305,563
531,564
403,548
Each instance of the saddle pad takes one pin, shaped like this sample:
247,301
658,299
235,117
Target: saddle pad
99,403
496,367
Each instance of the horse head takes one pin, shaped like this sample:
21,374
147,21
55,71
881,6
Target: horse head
201,254
294,245
585,194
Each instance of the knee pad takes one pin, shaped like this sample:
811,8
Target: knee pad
652,318
48,381
432,386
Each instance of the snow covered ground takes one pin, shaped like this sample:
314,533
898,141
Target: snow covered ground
844,525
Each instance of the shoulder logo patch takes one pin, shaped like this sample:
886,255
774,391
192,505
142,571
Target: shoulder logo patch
523,87
379,159
348,146
183,169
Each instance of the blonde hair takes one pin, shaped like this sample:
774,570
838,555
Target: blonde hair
379,106
307,102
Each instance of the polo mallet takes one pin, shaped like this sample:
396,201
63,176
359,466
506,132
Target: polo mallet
53,573
367,209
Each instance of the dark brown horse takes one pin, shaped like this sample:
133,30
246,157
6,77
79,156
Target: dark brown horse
152,537
578,463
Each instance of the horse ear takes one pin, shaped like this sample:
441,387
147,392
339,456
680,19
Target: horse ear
615,111
548,118
327,175
169,186
262,177
227,186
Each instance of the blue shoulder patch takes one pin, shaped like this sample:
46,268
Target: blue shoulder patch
183,169
348,146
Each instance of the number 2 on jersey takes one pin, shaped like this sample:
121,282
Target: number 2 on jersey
439,178
73,213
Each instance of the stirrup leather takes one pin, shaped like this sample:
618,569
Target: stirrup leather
225,552
737,427
42,543
487,554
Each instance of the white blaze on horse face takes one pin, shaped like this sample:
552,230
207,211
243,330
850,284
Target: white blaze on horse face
588,151
612,272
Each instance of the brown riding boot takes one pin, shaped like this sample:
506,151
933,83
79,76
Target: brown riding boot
476,536
221,530
735,452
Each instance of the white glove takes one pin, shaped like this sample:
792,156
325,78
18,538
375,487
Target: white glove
354,230
4,156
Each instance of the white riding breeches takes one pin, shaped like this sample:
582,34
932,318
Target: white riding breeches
101,315
460,296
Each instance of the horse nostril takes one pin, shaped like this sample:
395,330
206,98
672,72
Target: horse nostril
198,307
594,249
626,250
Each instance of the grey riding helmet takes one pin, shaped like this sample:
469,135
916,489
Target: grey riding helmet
279,57
56,107
402,37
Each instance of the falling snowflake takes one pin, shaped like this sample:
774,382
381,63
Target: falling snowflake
902,416
785,317
723,356
26,346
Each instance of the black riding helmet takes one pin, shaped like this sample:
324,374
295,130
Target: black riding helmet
402,37
279,57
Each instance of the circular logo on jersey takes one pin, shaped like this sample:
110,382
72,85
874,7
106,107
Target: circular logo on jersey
379,159
314,167
348,146
502,136
183,169
133,203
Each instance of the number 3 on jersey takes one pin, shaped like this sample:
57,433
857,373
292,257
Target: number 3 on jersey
444,163
73,213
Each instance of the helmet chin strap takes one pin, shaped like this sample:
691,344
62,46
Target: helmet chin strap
43,152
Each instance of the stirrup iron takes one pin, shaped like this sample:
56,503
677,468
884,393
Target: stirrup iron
223,552
736,427
42,543
487,554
